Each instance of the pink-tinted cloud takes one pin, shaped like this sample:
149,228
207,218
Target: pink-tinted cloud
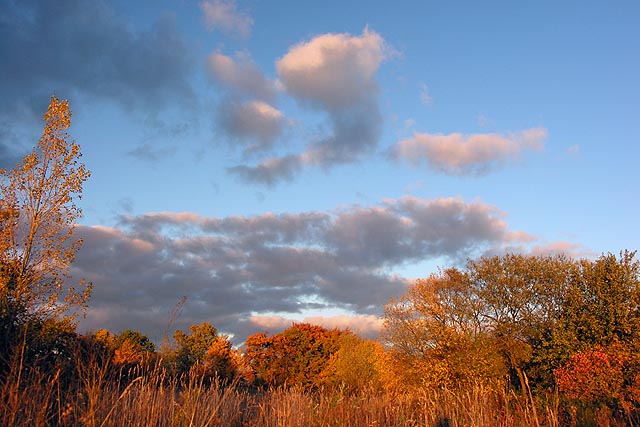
569,249
334,74
333,71
242,75
476,154
255,124
223,15
365,325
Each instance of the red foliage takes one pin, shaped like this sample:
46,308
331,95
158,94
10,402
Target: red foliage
595,375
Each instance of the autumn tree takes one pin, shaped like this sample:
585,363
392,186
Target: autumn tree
534,312
601,307
354,365
205,352
190,348
39,213
438,334
295,357
522,298
131,347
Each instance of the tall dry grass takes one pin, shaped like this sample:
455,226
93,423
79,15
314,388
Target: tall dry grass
102,396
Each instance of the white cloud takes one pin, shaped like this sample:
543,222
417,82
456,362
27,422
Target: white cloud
569,249
365,325
223,15
458,154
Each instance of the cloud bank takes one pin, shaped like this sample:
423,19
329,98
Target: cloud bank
458,154
236,270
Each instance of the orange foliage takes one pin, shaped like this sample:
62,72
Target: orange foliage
129,352
297,356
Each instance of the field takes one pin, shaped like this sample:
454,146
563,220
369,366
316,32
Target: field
99,399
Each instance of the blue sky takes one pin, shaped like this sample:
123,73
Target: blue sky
307,160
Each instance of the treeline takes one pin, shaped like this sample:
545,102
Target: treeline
558,335
541,325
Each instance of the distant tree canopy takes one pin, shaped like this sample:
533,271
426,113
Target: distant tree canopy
206,352
513,316
297,356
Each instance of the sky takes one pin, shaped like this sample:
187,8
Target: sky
279,161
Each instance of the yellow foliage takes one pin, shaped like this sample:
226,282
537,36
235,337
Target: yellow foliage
37,234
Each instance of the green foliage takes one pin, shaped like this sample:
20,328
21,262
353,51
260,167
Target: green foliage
535,312
601,306
192,348
134,337
603,303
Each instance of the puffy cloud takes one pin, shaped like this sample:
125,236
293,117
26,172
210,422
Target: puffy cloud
255,124
251,121
457,154
333,71
236,267
223,15
241,75
335,74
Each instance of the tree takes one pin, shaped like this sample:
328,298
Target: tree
601,306
468,325
522,298
354,366
438,333
131,347
296,357
38,210
192,348
207,354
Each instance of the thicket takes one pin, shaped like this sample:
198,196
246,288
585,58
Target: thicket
510,340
